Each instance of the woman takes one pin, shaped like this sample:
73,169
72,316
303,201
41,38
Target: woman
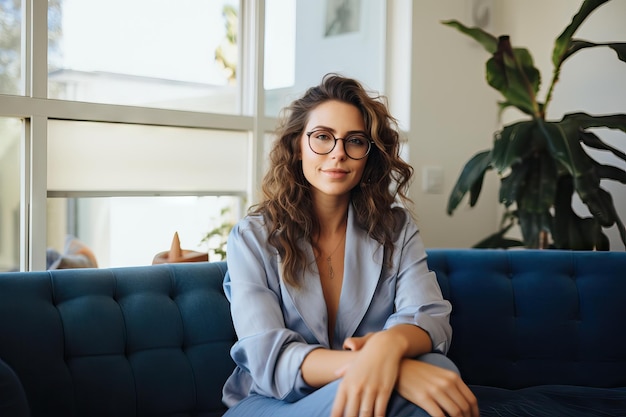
335,310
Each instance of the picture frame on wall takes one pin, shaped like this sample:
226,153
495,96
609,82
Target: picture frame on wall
479,13
342,16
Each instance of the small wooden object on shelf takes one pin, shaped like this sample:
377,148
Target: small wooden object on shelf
176,254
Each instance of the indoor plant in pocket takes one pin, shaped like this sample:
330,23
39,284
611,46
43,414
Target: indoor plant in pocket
542,163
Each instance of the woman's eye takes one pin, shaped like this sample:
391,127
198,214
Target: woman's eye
357,141
322,136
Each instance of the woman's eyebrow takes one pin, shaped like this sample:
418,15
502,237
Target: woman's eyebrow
322,127
333,131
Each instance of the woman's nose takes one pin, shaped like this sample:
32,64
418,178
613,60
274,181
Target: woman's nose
340,149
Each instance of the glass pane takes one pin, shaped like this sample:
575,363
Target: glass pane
10,47
343,36
175,55
280,49
112,158
130,231
10,133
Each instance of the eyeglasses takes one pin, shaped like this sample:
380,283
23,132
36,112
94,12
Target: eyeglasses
356,145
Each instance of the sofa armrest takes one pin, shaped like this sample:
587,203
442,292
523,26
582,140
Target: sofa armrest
12,397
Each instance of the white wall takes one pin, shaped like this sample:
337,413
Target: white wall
453,116
359,54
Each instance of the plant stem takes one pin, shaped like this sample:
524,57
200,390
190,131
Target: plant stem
555,79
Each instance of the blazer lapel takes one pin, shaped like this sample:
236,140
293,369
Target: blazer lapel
361,273
308,300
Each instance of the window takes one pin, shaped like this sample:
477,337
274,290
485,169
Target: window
181,57
126,231
10,195
127,205
10,47
122,123
358,52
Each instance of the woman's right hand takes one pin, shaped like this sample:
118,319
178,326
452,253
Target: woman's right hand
369,378
439,391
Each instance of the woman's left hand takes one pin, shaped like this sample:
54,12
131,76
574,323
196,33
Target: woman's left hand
437,390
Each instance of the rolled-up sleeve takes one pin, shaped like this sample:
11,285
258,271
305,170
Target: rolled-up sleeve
268,352
418,299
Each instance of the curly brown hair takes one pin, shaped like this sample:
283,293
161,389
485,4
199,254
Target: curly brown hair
286,204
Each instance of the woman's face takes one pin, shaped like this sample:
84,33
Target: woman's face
334,173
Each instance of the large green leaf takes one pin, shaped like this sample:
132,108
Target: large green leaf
610,172
609,202
562,43
585,121
473,172
570,231
566,234
512,145
474,192
537,199
576,233
487,40
513,74
498,240
565,147
532,224
541,180
511,186
593,141
578,44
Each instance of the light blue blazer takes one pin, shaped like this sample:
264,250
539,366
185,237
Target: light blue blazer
278,325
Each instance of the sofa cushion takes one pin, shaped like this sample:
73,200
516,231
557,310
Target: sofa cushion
12,397
551,401
149,341
530,317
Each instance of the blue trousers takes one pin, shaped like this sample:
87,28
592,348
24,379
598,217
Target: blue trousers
320,402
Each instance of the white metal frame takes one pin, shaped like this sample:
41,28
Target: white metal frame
36,109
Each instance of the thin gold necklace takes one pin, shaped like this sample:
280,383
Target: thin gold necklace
331,271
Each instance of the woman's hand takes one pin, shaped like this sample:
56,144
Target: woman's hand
439,391
369,379
356,343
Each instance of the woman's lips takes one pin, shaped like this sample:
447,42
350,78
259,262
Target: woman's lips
335,173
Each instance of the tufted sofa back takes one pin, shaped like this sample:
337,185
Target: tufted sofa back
144,341
155,340
530,317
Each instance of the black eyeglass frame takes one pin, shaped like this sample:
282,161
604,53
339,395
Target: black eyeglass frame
369,143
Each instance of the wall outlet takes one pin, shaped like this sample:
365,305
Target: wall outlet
432,179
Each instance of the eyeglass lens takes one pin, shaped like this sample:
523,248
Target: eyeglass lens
322,142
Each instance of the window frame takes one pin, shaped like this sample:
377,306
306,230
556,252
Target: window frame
35,109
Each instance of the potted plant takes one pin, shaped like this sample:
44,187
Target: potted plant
217,237
542,163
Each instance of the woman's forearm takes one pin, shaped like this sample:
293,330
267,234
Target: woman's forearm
414,340
320,366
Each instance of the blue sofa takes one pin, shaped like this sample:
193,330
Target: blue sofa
536,333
